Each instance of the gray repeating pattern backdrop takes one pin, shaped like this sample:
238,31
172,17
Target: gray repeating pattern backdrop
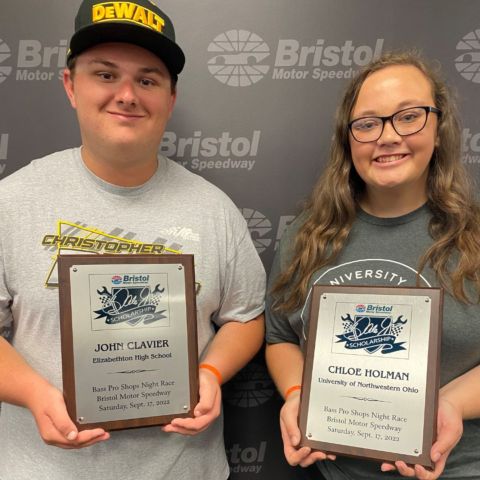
254,116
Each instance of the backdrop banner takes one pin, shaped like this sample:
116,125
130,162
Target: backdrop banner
255,109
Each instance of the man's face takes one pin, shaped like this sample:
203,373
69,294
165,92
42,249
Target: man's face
123,97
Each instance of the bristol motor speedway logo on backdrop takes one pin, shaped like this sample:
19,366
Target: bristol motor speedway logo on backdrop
240,58
3,151
246,460
250,388
260,228
5,54
200,152
468,62
470,147
34,61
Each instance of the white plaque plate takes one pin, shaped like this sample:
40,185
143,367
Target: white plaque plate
371,372
129,353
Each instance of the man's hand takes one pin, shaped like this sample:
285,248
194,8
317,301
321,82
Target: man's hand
54,424
205,412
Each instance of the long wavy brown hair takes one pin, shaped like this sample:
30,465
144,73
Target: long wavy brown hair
332,206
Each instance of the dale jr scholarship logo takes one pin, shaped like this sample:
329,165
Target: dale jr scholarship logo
130,305
372,333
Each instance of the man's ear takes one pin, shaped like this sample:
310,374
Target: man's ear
68,85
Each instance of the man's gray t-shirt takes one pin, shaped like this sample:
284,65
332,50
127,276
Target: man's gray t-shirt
55,201
386,252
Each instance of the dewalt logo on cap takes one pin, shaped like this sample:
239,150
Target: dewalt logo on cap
127,12
139,22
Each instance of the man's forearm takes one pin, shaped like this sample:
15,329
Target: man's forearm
234,345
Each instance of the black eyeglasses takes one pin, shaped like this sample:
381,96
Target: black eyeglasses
405,122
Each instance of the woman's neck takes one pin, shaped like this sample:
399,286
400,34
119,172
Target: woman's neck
392,203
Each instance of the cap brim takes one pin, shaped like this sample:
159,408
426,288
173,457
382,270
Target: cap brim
169,52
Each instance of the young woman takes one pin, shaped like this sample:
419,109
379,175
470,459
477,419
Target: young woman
393,207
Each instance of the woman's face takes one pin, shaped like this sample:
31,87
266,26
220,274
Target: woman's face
395,164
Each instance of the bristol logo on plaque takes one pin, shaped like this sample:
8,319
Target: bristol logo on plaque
133,305
372,333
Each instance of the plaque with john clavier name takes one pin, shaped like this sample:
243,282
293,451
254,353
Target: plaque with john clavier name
129,340
371,374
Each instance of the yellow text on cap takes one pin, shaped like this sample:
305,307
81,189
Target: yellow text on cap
127,11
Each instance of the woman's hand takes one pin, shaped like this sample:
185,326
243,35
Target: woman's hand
449,432
294,453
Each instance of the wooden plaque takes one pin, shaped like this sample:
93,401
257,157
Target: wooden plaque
371,375
129,339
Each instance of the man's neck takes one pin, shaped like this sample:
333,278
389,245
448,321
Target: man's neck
125,169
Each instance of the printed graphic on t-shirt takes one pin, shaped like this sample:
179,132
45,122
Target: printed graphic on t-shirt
78,237
371,272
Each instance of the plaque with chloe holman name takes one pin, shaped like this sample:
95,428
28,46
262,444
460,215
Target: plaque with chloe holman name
370,381
129,339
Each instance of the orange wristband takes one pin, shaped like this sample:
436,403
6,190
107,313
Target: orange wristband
292,389
212,369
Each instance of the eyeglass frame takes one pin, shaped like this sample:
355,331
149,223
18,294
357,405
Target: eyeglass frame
390,119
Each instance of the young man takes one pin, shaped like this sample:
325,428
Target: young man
121,80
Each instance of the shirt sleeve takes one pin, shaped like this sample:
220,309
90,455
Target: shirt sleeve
6,318
244,278
278,327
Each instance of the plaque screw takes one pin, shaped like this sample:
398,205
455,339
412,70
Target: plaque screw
324,297
180,267
416,450
309,435
185,407
81,419
427,300
74,269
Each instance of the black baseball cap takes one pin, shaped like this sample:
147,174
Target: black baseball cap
139,22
